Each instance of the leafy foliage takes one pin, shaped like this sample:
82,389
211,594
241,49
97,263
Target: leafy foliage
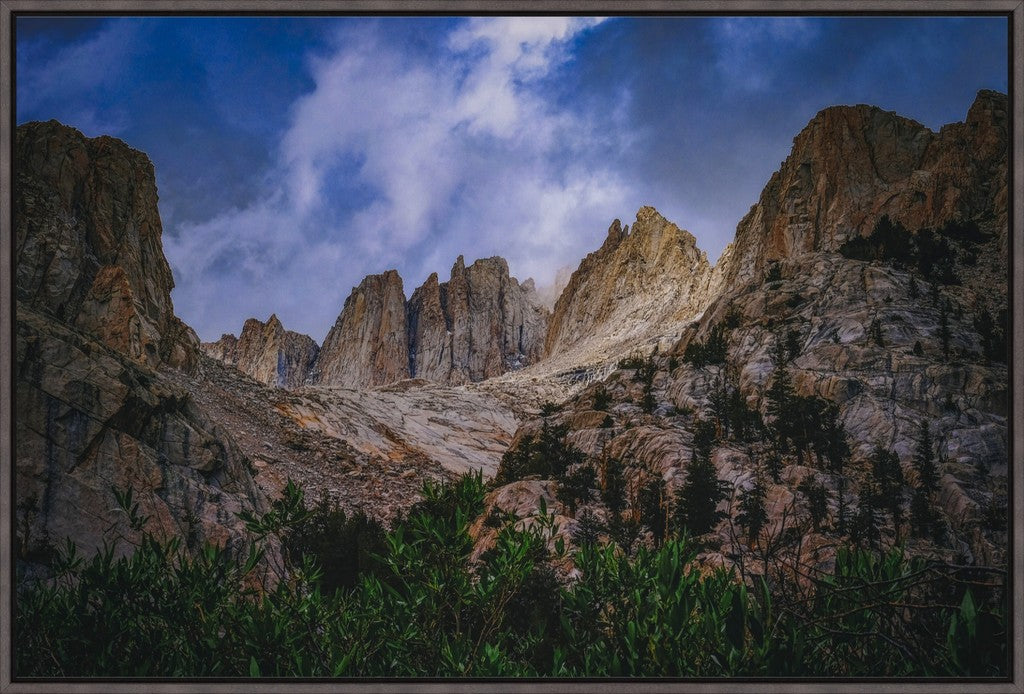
426,611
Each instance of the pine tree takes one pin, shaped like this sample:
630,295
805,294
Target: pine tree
779,396
887,476
923,518
653,507
575,488
816,497
773,462
588,528
752,515
613,486
696,501
864,531
944,334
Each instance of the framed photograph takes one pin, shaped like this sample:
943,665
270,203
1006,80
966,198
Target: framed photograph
511,346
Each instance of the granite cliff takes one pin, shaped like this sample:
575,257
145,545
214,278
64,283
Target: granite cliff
478,324
267,352
95,337
641,284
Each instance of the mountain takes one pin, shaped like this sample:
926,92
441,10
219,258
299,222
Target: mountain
95,338
368,345
864,294
641,284
478,324
863,299
267,352
853,164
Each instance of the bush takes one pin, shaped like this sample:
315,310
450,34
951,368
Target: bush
163,612
342,546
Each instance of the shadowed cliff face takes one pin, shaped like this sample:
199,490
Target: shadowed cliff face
95,328
87,243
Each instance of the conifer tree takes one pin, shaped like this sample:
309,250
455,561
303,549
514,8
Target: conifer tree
752,515
696,501
816,497
588,528
864,531
653,508
780,396
576,488
944,334
613,485
887,476
923,518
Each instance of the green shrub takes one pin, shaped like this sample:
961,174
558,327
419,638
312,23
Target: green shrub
160,611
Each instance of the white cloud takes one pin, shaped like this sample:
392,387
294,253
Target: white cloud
466,155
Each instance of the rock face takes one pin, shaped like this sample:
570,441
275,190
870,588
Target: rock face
634,284
368,345
267,352
87,239
478,324
95,337
851,165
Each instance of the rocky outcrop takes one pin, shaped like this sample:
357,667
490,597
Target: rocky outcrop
634,286
484,319
430,338
478,324
87,243
89,419
853,164
267,352
368,345
95,340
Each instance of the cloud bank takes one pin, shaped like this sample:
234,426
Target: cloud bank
407,161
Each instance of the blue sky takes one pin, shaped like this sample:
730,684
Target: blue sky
296,155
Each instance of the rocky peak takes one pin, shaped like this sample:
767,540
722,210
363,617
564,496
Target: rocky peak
479,324
853,164
88,245
634,284
267,352
430,344
368,345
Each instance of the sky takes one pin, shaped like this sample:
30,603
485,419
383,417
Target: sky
295,155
